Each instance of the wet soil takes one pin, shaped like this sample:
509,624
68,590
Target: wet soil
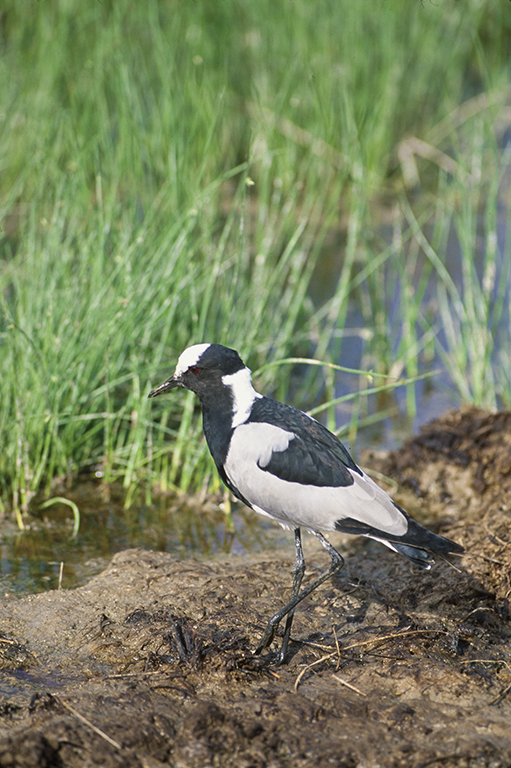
151,663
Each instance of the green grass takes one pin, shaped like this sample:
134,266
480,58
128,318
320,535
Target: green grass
174,173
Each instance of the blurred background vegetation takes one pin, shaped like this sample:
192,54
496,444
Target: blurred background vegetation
325,180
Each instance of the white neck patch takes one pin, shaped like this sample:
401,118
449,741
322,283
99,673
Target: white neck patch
189,357
244,395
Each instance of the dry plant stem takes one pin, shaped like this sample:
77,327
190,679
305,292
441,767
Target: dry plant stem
88,723
349,685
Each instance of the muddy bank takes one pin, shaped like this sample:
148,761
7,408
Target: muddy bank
151,663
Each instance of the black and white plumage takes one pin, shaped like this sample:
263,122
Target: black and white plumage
287,466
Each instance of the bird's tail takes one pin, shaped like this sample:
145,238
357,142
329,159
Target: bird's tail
414,544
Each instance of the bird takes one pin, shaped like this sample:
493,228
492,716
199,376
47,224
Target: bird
285,465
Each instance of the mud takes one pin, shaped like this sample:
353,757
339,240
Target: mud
151,663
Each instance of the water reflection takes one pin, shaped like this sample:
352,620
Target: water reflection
30,561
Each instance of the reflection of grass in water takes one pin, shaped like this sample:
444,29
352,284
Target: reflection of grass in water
31,561
126,239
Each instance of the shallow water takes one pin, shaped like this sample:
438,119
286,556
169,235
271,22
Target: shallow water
45,556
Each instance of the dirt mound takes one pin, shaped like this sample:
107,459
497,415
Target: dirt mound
152,663
459,471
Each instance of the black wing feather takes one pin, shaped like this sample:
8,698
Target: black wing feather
314,457
299,464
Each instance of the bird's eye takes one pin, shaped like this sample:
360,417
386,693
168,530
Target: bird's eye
194,369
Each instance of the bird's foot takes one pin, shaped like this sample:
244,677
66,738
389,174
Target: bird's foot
267,638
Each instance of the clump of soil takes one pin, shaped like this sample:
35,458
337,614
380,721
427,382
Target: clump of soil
151,663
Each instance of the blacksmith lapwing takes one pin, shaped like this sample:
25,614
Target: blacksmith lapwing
287,466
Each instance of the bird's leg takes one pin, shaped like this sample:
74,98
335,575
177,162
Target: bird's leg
298,571
271,628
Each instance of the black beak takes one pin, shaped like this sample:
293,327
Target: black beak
169,384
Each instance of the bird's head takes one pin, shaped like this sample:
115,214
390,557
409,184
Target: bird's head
201,368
